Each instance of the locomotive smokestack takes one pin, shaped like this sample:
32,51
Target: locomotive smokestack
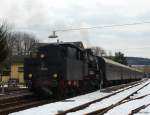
85,36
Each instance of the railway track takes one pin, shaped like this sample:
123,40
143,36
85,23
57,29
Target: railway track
20,100
139,109
9,89
117,87
12,91
25,100
107,108
12,98
124,100
21,105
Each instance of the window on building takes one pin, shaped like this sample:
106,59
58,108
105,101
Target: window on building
20,69
6,73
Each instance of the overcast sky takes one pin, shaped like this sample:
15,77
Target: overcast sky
40,17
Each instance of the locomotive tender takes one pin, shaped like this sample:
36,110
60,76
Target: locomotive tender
68,69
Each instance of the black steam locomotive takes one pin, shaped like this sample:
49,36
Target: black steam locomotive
68,69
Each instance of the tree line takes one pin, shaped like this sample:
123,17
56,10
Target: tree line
22,44
118,57
15,43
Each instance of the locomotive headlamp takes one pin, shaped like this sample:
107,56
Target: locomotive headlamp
42,55
30,75
55,75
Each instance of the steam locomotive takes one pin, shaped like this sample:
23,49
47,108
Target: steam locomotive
69,69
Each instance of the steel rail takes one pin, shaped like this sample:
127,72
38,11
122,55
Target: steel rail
104,110
80,107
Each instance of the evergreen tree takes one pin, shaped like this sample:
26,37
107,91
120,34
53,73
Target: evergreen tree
3,42
120,58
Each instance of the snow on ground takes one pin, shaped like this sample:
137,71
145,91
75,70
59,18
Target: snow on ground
107,102
4,85
126,108
54,108
22,86
144,91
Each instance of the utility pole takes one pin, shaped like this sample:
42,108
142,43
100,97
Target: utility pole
1,75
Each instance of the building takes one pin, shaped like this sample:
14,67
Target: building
14,69
4,75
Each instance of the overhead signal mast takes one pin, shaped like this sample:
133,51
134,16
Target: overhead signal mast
54,36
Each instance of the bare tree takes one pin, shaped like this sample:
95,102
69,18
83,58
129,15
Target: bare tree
98,51
110,55
21,43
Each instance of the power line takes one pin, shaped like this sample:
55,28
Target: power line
137,48
127,49
101,27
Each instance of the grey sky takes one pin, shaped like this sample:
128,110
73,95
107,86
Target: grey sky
40,17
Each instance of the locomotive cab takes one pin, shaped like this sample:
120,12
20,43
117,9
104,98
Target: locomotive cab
58,67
